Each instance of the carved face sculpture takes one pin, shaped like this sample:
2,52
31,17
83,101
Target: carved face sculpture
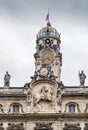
44,72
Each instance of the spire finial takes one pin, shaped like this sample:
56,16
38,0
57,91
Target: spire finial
48,23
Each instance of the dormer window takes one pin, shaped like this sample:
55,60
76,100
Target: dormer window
16,109
71,108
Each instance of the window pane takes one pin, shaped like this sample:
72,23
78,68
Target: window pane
15,108
71,108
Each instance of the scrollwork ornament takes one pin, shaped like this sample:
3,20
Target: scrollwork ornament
29,96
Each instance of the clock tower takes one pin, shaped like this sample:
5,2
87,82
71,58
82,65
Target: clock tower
48,59
44,92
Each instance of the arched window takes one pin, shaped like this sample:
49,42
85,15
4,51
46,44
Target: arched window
71,108
16,108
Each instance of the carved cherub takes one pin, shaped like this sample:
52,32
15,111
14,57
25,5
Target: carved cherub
59,95
29,97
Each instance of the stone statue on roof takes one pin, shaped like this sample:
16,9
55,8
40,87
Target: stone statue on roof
7,79
82,78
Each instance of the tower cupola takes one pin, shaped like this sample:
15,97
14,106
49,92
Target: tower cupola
48,32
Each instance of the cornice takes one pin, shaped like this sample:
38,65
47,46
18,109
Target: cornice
74,94
43,116
12,94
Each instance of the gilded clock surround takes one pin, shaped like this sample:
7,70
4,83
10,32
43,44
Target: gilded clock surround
47,57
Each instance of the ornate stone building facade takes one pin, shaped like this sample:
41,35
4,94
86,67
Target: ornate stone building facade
45,103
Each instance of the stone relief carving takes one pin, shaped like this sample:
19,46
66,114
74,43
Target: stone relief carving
27,85
86,126
61,85
7,79
27,90
82,78
15,126
72,127
35,77
45,94
1,126
59,95
43,46
44,72
29,97
42,96
58,99
36,55
52,44
51,75
1,109
78,108
43,126
86,109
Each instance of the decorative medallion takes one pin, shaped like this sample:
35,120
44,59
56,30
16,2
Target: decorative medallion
47,41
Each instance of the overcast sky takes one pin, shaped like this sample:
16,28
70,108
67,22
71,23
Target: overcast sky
21,20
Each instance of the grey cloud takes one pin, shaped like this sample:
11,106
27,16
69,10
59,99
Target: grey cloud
29,8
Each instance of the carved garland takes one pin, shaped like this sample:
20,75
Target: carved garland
15,126
86,127
43,126
1,127
86,108
72,127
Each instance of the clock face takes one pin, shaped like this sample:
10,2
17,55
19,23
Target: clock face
47,57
